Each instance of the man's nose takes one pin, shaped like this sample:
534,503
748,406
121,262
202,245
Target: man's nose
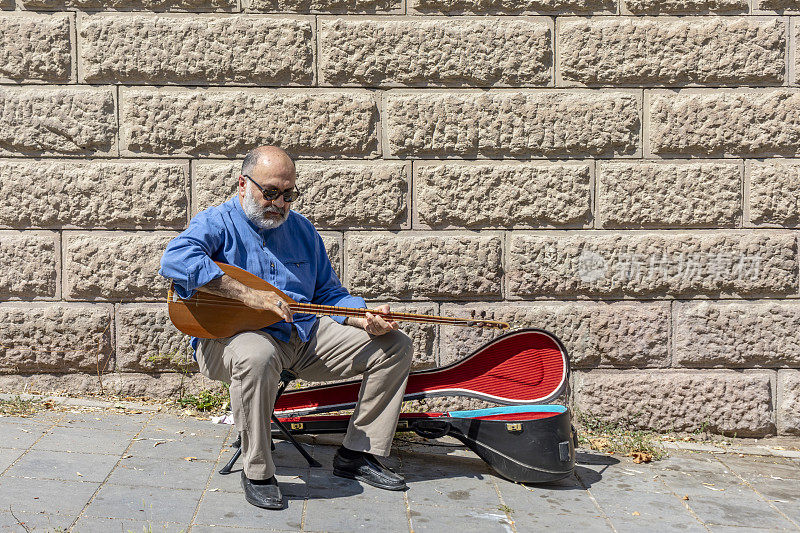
279,202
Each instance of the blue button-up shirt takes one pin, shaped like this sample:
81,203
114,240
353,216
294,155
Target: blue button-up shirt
291,257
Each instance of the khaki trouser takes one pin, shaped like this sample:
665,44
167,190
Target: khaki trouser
252,362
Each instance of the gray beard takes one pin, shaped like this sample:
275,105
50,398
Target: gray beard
257,214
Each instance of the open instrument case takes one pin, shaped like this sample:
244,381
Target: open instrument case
528,439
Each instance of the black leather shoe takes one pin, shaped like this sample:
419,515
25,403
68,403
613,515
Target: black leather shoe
365,467
265,494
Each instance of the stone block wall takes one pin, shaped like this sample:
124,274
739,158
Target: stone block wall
624,173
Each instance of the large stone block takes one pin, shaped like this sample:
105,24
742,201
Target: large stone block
737,335
333,246
114,266
147,341
517,7
422,334
57,120
655,7
648,265
35,47
213,182
669,51
717,401
31,264
454,51
128,5
55,337
526,195
355,194
604,334
323,6
95,193
789,402
723,122
195,49
651,194
541,123
424,266
231,122
784,6
774,192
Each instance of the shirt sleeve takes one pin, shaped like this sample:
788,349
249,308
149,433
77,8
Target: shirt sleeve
328,289
187,259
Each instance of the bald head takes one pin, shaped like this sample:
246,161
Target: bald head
273,157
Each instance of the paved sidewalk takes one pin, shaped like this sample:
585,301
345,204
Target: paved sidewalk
104,471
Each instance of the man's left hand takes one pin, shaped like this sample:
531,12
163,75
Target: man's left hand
374,324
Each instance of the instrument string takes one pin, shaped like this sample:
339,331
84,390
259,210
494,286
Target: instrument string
349,312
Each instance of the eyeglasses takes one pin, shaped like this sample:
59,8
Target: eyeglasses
271,194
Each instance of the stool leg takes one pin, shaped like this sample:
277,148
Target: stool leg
238,445
311,461
286,377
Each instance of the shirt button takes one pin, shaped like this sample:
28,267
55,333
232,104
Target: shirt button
272,265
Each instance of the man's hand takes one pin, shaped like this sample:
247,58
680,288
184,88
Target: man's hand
374,324
269,301
230,288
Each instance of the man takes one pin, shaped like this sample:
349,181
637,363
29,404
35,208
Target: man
256,230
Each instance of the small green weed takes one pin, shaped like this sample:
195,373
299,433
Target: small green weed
506,509
23,408
207,400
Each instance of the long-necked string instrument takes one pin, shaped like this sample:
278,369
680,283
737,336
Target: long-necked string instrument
208,316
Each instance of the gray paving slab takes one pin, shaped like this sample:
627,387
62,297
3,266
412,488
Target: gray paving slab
87,440
552,506
129,423
116,525
44,495
200,528
150,504
429,518
775,479
172,473
70,466
229,509
172,424
356,513
177,447
20,435
28,522
632,497
740,529
8,456
716,495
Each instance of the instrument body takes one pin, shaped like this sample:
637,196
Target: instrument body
209,316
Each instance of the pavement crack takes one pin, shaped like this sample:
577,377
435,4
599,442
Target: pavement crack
54,424
102,483
594,501
210,476
767,500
